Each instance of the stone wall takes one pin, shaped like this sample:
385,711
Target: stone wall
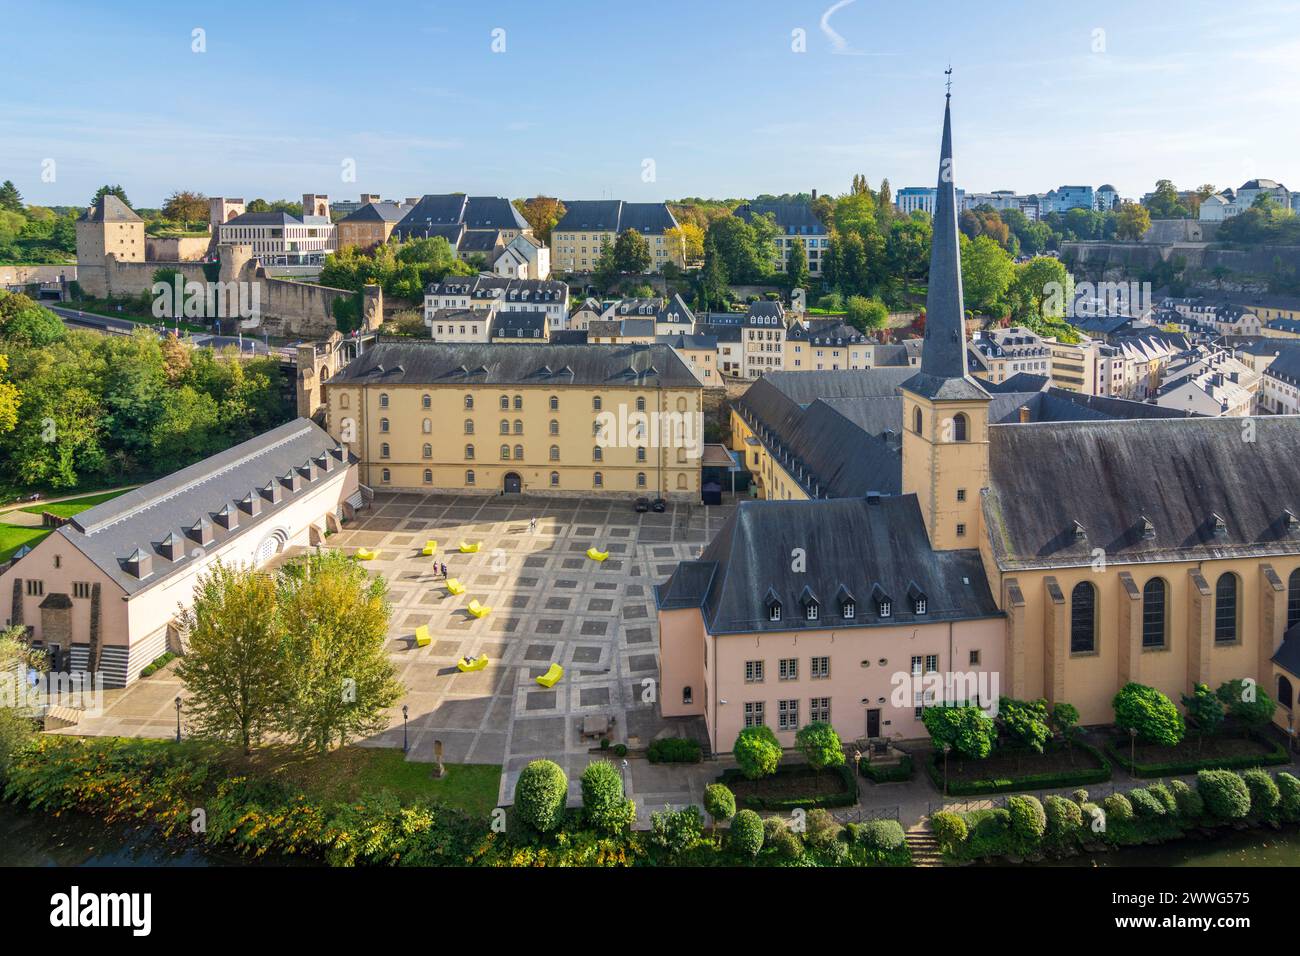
24,275
1122,261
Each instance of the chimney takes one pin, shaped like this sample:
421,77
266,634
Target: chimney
227,517
172,547
252,504
1024,414
139,564
412,200
369,197
814,195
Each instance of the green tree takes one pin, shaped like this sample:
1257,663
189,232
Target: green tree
746,834
540,794
605,273
796,265
603,803
1132,221
720,803
17,728
542,213
968,730
117,191
1065,718
713,282
1149,712
986,274
185,206
866,315
757,751
1247,703
1205,710
25,323
1163,202
1026,721
677,830
10,198
9,398
631,252
334,622
820,745
233,666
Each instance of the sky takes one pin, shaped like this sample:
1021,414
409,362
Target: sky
644,100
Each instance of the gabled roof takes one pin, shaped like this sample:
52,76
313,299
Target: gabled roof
109,209
493,212
850,543
794,218
431,211
596,215
378,212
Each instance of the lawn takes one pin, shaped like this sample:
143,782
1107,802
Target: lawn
13,537
73,506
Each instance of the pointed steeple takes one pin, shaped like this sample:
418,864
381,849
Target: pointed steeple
943,359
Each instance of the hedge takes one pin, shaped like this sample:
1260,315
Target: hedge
1118,751
734,777
893,773
1032,781
674,750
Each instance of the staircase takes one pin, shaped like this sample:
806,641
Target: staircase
924,847
58,718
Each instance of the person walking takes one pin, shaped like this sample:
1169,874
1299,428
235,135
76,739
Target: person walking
532,525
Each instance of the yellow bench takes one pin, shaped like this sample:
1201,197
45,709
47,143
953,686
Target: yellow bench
430,547
552,676
365,554
454,586
422,636
473,664
597,555
478,610
467,548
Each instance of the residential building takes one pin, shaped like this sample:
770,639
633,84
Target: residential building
478,228
997,354
588,224
1208,381
279,239
795,221
699,352
1279,391
102,593
523,258
369,225
764,339
821,344
492,294
459,325
514,417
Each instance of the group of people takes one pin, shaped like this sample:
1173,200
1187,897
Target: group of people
440,570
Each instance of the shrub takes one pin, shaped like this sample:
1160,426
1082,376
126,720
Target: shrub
1264,793
1028,821
603,802
746,834
1247,703
719,802
676,830
540,794
822,829
771,826
1091,815
949,829
820,745
757,751
1064,819
1118,809
674,750
1145,804
1149,712
1225,794
1189,803
604,743
989,834
882,835
1289,795
1165,796
892,773
787,844
620,750
837,854
832,302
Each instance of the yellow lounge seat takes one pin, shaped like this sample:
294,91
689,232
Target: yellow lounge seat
365,554
430,547
467,548
552,676
477,664
454,586
597,555
478,610
422,636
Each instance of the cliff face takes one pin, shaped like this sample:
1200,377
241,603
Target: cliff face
1121,261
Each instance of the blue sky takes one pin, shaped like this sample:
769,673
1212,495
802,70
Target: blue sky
710,90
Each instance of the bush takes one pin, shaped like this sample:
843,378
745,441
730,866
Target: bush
822,829
719,802
893,773
1099,772
1289,794
1150,713
1189,803
757,752
837,854
820,745
1225,794
674,750
1080,796
603,802
1118,809
1165,796
746,834
620,750
1064,819
1145,804
1028,821
846,795
677,830
1264,793
882,835
949,829
787,844
540,794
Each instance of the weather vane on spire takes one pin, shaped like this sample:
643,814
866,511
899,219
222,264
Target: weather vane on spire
948,82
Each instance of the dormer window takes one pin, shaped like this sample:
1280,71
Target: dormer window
885,608
919,605
774,611
1079,531
849,609
1220,526
1148,529
918,600
810,611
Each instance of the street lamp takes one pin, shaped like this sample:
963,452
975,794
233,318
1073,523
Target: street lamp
405,746
1132,749
946,749
178,718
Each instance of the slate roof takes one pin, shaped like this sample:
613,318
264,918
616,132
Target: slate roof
806,387
520,324
109,209
851,544
647,218
1108,476
431,211
419,362
793,218
614,215
1287,364
478,241
143,518
681,340
263,219
1288,652
378,212
493,212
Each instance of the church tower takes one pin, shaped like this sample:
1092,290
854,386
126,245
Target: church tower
945,411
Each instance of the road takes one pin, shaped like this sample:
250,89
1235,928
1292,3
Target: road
110,325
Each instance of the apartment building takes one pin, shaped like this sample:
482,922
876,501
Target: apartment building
492,294
279,239
821,344
370,225
589,224
1208,381
1279,391
997,354
763,335
795,222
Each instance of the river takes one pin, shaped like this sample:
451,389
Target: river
1237,848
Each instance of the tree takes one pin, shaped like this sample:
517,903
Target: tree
25,323
631,252
334,622
1026,721
746,834
866,315
820,745
1205,710
677,830
1065,718
1247,703
1163,202
720,804
17,729
689,238
117,191
186,207
1132,221
986,274
713,282
603,803
541,213
1040,292
540,794
10,198
1149,712
796,265
9,398
234,668
757,751
968,730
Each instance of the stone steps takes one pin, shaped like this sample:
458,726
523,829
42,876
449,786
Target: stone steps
923,846
57,718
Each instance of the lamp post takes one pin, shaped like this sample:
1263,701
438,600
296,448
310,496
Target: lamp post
946,749
1132,750
178,718
405,746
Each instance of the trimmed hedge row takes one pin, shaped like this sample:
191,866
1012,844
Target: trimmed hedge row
674,750
1117,750
1032,781
894,773
847,798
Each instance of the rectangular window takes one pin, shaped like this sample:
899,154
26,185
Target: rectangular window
917,661
819,708
931,663
961,530
820,668
974,658
35,588
787,714
753,672
754,716
961,494
788,668
81,589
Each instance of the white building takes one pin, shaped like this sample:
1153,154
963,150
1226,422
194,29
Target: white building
278,238
490,294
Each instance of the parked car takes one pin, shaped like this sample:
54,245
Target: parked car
642,504
659,505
